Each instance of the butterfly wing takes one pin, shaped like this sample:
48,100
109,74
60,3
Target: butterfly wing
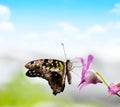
52,70
31,73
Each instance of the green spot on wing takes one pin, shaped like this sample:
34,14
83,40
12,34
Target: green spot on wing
61,66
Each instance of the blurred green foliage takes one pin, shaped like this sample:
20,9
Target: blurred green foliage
20,92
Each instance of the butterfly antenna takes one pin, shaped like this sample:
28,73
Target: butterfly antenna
64,51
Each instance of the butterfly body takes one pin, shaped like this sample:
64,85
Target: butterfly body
54,71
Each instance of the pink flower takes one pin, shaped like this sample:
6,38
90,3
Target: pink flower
114,88
88,74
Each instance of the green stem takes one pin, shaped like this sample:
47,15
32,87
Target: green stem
102,79
98,74
118,95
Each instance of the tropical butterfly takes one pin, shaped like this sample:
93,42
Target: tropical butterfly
53,70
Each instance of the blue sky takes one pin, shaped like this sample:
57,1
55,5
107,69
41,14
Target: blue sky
84,26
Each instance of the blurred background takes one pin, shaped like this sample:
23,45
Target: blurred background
32,29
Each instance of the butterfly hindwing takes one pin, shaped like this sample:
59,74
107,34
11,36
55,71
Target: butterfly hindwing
30,73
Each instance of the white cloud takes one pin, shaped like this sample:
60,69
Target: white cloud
117,25
30,36
6,26
116,9
98,28
100,39
110,50
4,13
92,39
67,27
62,32
55,36
109,47
101,28
5,23
93,31
52,33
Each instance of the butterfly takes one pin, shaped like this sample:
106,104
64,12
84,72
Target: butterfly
52,70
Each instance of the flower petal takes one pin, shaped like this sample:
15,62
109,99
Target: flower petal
82,61
89,61
83,74
83,68
82,84
114,88
91,77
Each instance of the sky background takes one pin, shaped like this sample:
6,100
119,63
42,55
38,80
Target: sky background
84,26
